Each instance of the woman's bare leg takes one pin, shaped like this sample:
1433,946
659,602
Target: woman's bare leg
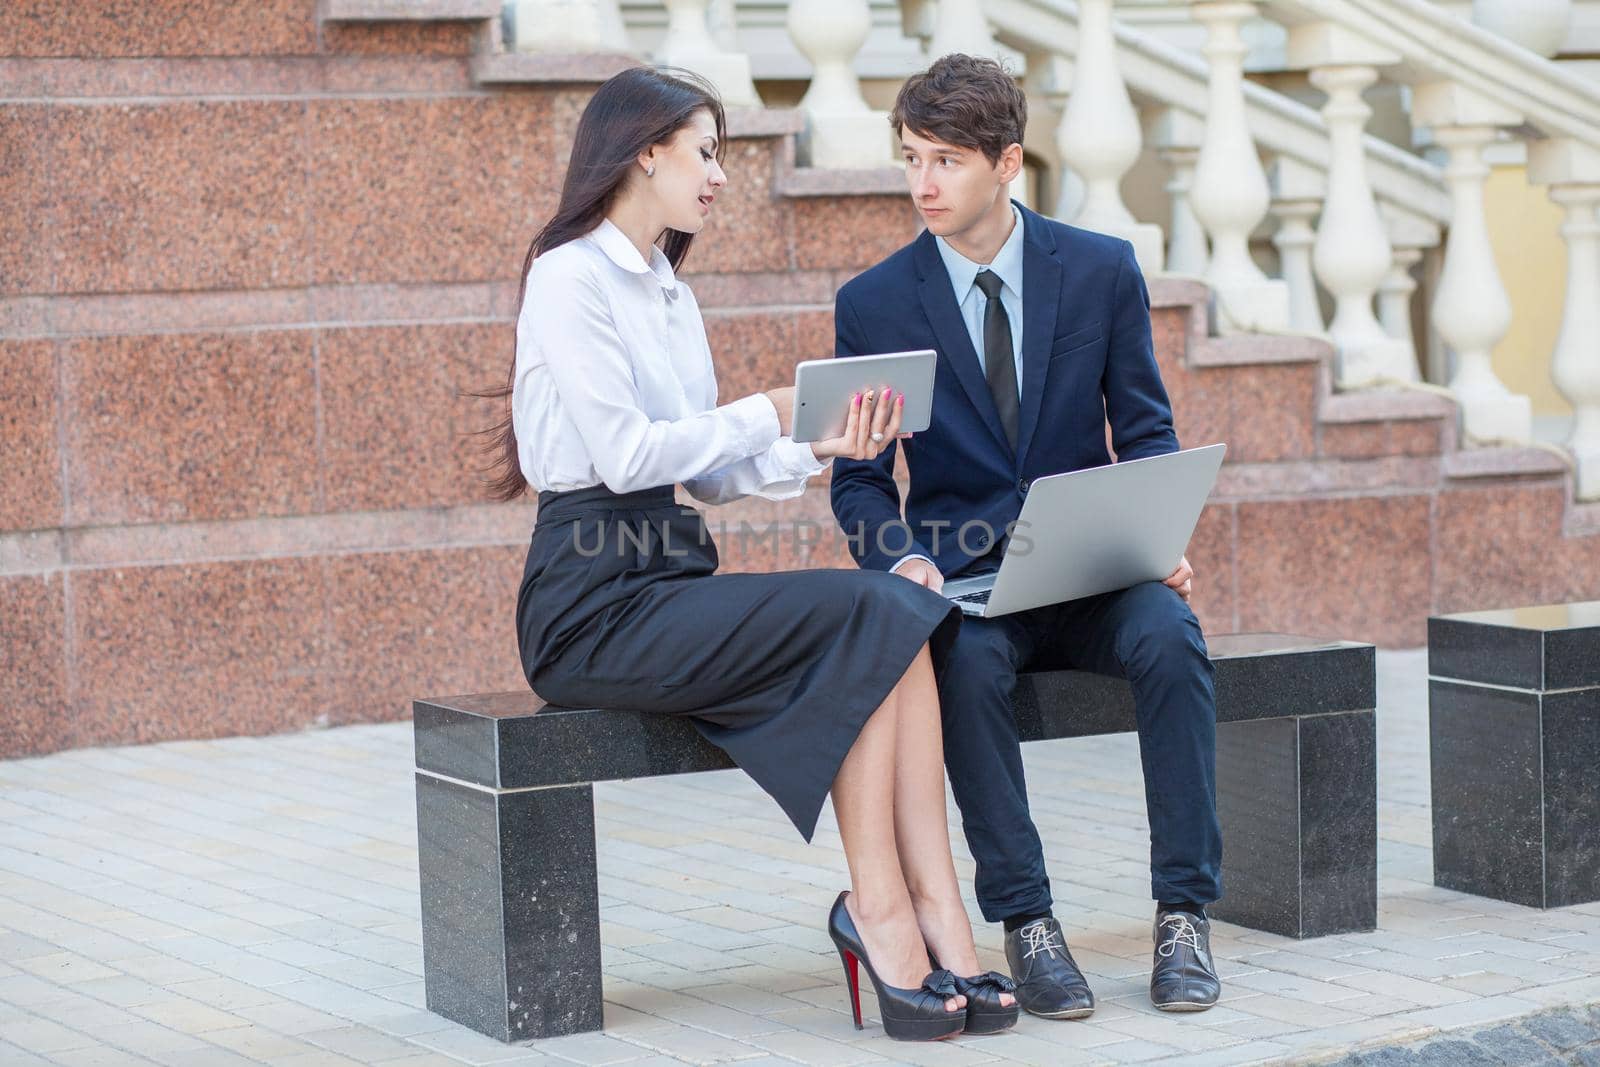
864,802
922,832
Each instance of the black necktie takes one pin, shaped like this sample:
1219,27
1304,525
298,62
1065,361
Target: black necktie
999,365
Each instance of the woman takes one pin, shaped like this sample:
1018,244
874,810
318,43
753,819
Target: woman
811,681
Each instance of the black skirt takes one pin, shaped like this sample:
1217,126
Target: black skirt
620,607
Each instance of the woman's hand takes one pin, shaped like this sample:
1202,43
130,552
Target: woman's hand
873,422
783,400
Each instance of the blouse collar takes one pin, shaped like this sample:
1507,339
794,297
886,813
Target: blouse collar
615,244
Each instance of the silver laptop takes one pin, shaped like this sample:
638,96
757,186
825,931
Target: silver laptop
1091,531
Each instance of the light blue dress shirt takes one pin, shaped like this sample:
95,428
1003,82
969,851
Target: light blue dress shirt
972,302
963,274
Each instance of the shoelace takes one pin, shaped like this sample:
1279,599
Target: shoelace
1183,932
1040,938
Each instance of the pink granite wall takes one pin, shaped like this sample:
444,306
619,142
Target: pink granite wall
247,265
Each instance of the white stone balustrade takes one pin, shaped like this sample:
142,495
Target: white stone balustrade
1297,195
1177,136
722,16
842,132
1352,252
1409,238
960,26
1540,26
1471,310
690,44
1230,195
1048,79
1099,136
1572,171
555,26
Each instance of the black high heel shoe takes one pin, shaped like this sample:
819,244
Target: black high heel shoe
908,1014
986,1014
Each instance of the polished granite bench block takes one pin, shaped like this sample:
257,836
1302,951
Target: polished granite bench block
1514,738
505,817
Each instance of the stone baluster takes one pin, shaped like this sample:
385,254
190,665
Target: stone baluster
917,19
1297,195
1471,310
1394,292
1352,253
841,130
723,18
590,26
1230,195
1099,136
1410,236
1178,135
1049,78
960,26
689,44
1572,171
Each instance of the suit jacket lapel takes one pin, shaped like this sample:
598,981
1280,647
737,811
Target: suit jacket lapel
956,354
1041,297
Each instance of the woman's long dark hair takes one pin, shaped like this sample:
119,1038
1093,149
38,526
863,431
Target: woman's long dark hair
629,113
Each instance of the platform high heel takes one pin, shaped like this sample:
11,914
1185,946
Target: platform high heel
986,1014
908,1014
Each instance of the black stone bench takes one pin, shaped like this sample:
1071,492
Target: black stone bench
1513,742
505,816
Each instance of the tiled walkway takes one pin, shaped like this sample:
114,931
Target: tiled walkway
255,901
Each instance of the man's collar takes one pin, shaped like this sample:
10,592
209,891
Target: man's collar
1007,262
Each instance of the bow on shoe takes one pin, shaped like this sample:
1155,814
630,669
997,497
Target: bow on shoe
940,983
987,1013
993,979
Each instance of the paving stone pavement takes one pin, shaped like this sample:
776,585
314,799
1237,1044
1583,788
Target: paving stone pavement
254,900
1544,1039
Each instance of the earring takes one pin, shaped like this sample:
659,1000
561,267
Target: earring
650,171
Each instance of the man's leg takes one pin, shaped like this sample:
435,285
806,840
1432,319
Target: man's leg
1148,635
984,757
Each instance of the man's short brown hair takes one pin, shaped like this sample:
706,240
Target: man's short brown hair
964,101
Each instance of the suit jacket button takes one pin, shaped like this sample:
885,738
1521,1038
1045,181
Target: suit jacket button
1023,485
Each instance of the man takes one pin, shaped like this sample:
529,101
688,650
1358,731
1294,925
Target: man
1043,335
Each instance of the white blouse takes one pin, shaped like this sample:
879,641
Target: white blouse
614,385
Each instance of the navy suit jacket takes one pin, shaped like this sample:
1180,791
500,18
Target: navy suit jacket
1086,360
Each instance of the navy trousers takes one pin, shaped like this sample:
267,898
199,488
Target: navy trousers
1146,634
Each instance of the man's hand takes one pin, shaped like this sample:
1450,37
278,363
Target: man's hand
1181,580
923,573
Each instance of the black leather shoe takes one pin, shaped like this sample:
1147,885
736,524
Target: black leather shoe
1049,983
1184,977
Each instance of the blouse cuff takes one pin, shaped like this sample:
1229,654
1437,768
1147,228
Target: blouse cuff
756,418
797,458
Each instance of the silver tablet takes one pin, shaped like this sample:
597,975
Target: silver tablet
823,388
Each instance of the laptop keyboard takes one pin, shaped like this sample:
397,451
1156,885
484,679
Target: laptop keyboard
979,597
